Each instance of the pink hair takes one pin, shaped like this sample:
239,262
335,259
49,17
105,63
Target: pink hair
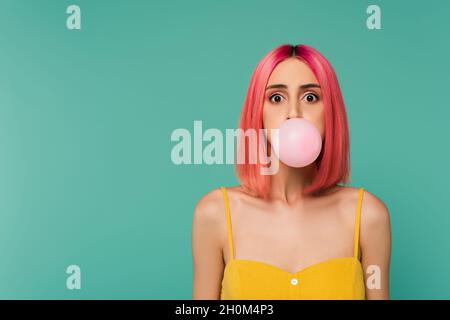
333,162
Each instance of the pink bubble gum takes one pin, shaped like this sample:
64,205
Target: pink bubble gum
299,143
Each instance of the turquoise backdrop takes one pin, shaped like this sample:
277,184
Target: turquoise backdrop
86,117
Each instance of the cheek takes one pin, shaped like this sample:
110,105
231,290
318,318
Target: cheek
272,116
271,120
317,117
322,131
320,124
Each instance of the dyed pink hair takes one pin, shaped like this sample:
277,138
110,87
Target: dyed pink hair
333,162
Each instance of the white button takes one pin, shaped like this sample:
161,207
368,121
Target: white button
294,281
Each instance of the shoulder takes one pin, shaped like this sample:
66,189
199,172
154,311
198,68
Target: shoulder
209,209
373,210
209,223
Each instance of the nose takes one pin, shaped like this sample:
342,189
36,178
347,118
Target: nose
294,111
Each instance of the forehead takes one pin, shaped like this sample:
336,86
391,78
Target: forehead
292,71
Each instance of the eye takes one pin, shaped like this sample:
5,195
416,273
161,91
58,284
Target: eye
311,97
276,98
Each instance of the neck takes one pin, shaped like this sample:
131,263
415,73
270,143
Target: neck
288,183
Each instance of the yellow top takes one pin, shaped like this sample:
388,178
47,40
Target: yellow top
337,278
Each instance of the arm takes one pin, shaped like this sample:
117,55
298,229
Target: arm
207,243
375,246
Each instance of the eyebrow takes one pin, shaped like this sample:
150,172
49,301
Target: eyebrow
303,86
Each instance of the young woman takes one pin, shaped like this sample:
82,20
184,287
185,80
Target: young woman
299,233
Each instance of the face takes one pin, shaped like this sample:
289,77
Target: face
293,91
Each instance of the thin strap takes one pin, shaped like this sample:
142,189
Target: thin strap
357,223
227,213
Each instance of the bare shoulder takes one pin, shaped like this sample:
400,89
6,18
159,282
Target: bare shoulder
374,212
209,209
373,209
241,198
209,225
240,191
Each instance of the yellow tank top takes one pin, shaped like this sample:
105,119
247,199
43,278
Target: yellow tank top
337,278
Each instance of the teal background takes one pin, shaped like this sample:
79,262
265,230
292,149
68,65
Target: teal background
86,117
